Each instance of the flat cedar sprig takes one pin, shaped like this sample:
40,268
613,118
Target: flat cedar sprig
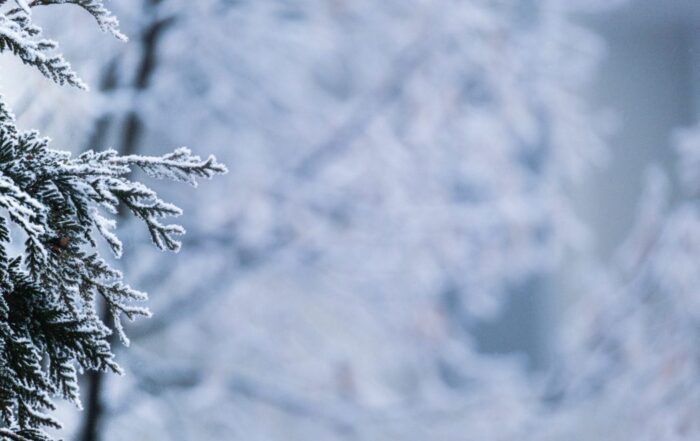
50,330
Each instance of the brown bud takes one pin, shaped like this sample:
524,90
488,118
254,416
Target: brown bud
59,243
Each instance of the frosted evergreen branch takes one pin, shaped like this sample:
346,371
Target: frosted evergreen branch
19,36
179,165
104,17
57,201
49,328
12,436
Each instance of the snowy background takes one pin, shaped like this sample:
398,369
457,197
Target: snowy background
444,220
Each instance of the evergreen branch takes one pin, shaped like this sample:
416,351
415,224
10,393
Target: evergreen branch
49,328
104,17
16,35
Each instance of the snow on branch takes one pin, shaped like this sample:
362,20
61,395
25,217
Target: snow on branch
19,36
60,205
104,17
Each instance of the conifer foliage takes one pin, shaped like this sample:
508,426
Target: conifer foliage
59,205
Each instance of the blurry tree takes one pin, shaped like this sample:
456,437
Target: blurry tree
629,361
398,169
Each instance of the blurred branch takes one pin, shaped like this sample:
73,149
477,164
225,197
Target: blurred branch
156,384
242,260
409,60
292,404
